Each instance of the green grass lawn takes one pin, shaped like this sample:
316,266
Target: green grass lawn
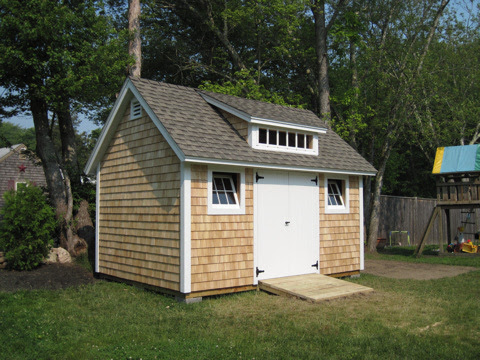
402,319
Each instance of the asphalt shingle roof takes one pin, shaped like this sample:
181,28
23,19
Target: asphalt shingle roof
263,110
200,131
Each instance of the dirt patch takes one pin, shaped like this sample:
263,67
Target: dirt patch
62,276
417,271
51,277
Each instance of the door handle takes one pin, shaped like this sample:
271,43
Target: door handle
287,223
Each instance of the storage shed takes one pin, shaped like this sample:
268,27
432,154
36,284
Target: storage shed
200,193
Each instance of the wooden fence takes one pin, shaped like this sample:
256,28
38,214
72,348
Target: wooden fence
401,217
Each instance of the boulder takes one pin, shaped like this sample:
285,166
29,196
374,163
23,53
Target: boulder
58,255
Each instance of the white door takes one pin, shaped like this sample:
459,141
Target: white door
287,224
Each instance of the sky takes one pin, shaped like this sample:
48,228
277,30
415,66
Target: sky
26,121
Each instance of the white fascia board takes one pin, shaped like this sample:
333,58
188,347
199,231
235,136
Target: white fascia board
284,125
176,149
242,115
128,90
255,120
275,167
101,145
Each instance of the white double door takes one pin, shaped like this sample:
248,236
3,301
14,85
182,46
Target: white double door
287,224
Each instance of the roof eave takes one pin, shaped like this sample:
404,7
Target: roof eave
210,161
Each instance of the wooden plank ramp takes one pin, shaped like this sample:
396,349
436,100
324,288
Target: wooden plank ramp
312,287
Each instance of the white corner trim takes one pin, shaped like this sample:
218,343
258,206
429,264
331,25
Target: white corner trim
255,230
362,235
97,219
185,229
238,209
329,209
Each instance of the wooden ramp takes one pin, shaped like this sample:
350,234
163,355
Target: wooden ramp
312,287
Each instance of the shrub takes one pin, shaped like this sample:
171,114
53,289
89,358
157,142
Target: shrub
27,227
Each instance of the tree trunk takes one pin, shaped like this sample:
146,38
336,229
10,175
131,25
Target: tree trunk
58,181
134,45
67,136
318,9
375,207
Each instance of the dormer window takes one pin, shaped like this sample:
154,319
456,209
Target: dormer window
289,140
135,109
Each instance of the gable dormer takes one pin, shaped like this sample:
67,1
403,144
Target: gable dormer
285,129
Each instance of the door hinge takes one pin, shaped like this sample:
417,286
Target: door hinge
259,271
258,177
315,180
315,265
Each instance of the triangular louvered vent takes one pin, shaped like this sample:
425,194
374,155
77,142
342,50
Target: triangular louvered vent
135,109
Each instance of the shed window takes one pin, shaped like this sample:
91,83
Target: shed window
285,140
224,191
335,193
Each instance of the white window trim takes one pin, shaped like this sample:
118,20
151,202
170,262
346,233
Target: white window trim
338,209
19,182
135,109
254,136
220,209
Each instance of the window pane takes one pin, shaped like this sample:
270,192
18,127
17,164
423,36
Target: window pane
291,140
214,197
309,142
301,141
262,136
231,198
223,198
228,184
282,138
332,200
219,184
272,137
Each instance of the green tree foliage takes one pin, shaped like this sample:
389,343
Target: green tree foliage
58,58
192,42
11,134
27,227
245,86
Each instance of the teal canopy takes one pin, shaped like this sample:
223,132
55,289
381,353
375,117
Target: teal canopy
454,159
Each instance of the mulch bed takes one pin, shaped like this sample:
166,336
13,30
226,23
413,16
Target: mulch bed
49,277
61,276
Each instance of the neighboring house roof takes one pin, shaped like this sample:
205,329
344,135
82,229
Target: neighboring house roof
198,132
457,159
7,151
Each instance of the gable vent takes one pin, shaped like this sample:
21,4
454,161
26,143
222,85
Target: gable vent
135,109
